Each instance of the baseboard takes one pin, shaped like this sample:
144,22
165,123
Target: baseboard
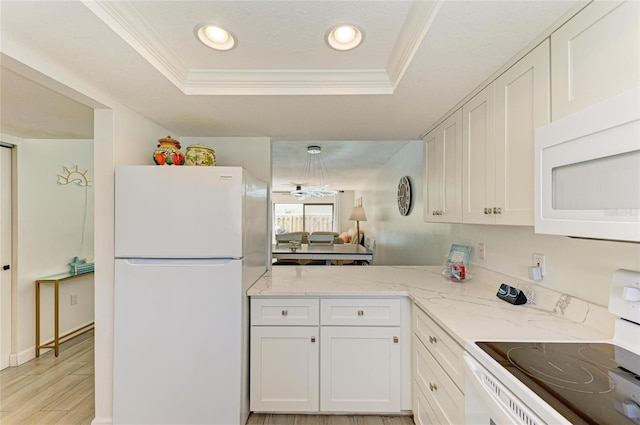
102,421
30,353
25,356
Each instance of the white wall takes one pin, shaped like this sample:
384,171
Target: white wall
54,224
252,153
581,268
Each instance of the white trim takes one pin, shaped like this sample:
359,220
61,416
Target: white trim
136,31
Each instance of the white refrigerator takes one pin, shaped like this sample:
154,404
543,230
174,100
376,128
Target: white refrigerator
189,242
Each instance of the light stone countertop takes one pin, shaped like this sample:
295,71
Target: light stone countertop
467,311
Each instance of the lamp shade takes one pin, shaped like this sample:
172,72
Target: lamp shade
358,214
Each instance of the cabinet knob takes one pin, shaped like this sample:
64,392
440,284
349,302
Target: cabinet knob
433,387
395,339
433,339
6,267
285,312
360,313
497,210
313,339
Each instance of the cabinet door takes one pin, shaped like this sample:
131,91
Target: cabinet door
433,175
443,173
522,105
478,153
360,369
284,369
594,56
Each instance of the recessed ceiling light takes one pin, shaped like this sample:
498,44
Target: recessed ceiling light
344,37
215,37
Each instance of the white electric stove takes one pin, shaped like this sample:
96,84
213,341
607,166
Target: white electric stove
538,382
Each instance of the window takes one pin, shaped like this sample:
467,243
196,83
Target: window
303,217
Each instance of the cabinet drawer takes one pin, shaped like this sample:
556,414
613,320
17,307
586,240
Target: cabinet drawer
445,350
443,396
285,311
423,413
360,312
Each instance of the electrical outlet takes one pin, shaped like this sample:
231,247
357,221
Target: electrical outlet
481,251
538,261
74,299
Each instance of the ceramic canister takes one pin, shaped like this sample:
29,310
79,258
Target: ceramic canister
168,152
200,154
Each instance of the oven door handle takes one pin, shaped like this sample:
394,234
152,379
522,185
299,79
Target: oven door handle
499,413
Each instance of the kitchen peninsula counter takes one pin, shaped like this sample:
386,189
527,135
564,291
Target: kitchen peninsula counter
468,310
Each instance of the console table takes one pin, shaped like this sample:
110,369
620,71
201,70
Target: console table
57,338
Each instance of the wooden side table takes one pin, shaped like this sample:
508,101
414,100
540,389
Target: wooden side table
57,338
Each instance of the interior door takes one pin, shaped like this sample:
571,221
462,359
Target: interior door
5,256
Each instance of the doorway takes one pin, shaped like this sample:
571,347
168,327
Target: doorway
5,256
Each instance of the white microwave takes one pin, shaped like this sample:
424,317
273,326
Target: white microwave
587,167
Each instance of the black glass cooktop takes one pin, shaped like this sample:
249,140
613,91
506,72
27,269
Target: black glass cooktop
587,383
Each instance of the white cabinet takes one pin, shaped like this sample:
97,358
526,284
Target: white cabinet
595,56
284,365
438,377
360,369
498,142
361,346
443,171
284,368
478,156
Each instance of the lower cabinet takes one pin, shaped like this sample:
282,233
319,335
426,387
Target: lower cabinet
360,369
438,380
284,368
333,355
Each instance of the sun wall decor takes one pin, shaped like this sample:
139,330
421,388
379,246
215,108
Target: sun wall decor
74,175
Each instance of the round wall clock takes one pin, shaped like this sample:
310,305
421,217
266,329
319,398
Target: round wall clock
404,195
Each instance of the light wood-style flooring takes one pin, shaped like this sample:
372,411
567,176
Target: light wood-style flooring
51,390
262,419
60,391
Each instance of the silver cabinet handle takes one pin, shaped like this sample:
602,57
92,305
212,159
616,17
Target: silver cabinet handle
360,313
313,339
433,387
395,339
433,339
285,312
497,210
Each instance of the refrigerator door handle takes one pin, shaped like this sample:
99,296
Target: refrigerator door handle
159,262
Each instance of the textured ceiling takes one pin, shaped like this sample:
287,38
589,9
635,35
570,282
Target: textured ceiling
417,61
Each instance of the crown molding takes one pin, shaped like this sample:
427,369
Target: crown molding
287,82
135,30
422,15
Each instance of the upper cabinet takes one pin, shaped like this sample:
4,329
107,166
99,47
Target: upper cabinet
478,163
443,171
594,56
498,142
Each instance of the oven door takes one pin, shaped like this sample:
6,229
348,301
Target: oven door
488,402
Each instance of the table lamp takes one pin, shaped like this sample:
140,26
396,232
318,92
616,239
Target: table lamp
358,215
